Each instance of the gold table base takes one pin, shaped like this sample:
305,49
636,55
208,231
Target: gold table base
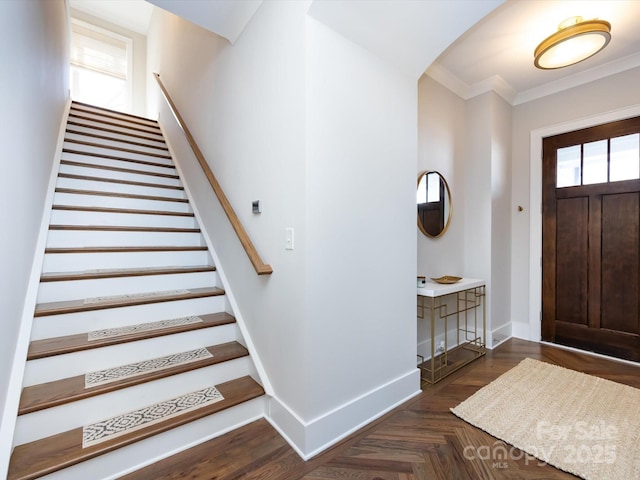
469,344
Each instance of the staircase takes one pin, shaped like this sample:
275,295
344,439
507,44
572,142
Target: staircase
133,353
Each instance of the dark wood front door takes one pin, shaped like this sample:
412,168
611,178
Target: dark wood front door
591,239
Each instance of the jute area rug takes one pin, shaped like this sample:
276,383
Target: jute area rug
584,425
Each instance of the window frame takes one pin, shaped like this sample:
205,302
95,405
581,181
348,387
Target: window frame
128,41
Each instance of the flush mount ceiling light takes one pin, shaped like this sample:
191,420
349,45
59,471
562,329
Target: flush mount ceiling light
575,40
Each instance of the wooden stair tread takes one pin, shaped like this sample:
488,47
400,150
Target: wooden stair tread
120,158
119,181
126,114
117,149
119,169
115,139
74,306
47,455
75,114
49,347
98,193
122,272
124,228
114,115
59,392
111,130
186,248
81,208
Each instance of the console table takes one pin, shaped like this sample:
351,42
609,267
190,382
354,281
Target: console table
469,297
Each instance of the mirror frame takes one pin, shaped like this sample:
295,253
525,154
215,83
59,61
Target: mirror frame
448,190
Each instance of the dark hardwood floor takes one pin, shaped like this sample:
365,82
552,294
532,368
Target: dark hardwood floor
420,439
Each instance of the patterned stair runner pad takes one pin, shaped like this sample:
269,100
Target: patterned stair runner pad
133,296
129,422
109,375
142,327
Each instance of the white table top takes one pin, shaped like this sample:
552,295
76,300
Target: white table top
433,289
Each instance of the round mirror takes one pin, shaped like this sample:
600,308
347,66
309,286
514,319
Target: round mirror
434,204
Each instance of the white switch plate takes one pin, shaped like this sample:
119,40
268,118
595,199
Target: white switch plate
288,245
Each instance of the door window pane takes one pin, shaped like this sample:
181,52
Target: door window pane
568,171
625,156
594,162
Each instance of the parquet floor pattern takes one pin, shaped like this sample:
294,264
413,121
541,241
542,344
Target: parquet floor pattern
419,440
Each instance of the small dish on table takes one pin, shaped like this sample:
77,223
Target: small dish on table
446,279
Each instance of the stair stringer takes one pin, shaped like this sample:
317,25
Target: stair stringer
14,390
235,309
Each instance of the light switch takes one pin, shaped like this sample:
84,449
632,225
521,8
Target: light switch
256,206
288,245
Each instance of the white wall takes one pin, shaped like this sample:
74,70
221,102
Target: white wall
478,199
245,106
441,147
488,202
139,41
470,143
442,136
575,108
34,91
324,134
501,208
361,248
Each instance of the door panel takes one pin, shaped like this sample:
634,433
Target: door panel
620,260
591,244
571,265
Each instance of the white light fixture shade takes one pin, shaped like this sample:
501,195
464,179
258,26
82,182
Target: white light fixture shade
572,44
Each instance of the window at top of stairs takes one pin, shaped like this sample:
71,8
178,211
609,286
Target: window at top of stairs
101,67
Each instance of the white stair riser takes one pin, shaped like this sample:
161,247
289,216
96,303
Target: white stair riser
81,322
78,363
141,135
81,289
112,113
75,217
115,464
75,262
161,165
121,122
44,423
85,152
155,142
89,238
101,186
112,174
83,200
117,143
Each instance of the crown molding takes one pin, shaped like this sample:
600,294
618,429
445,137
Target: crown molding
448,80
492,84
498,85
495,84
577,79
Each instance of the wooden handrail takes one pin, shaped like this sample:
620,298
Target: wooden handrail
260,267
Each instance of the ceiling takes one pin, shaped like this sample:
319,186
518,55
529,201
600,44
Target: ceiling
132,14
495,54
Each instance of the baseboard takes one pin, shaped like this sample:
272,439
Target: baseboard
499,335
311,438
